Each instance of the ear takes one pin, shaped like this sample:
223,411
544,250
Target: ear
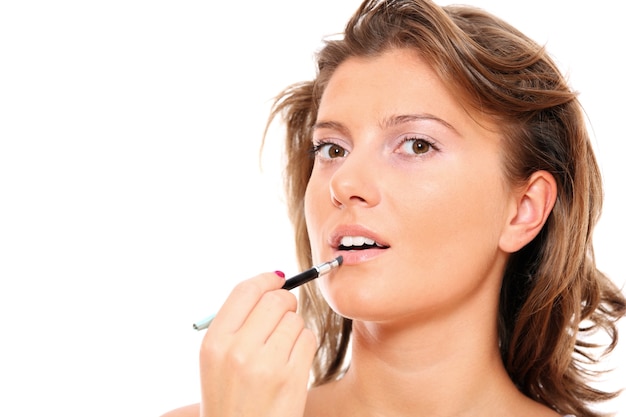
530,207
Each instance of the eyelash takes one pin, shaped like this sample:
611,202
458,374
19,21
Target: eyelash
317,147
431,145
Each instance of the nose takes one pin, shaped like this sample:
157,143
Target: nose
356,182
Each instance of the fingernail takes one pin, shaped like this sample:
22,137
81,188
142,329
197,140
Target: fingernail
280,274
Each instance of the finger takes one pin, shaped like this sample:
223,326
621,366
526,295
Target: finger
282,340
267,315
242,300
303,352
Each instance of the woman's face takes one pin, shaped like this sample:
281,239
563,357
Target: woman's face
406,186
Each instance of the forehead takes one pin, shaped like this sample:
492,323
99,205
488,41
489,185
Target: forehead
398,81
393,74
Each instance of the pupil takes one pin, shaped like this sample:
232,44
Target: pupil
419,147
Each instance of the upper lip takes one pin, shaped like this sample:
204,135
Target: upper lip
354,230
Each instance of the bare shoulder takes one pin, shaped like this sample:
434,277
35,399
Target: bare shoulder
187,411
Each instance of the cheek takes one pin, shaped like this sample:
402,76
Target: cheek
459,216
312,215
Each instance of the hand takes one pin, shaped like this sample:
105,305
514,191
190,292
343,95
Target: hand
256,355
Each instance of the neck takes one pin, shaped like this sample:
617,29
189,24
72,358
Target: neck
397,369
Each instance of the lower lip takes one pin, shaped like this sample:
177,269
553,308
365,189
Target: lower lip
353,257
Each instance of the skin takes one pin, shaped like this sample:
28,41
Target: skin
401,161
425,308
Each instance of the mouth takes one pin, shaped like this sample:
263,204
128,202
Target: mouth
356,243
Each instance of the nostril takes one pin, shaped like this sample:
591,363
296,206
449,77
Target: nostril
357,198
336,202
353,185
354,199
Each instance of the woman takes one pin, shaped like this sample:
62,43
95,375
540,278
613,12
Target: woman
442,154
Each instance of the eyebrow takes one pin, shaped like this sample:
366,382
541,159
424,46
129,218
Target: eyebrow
406,118
388,122
330,125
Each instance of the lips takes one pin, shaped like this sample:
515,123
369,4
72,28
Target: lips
357,243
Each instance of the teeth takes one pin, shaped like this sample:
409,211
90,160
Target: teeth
349,241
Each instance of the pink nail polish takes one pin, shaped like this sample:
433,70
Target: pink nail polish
280,274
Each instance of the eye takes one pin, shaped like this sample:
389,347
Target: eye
416,146
329,150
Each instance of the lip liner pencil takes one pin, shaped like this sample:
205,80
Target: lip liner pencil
291,283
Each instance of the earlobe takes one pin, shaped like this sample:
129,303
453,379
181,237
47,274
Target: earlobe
530,210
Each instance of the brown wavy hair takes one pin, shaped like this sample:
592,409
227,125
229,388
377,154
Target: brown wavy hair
552,296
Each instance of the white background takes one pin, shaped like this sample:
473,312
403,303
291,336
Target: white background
131,198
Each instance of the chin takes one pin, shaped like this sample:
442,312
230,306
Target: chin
357,303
